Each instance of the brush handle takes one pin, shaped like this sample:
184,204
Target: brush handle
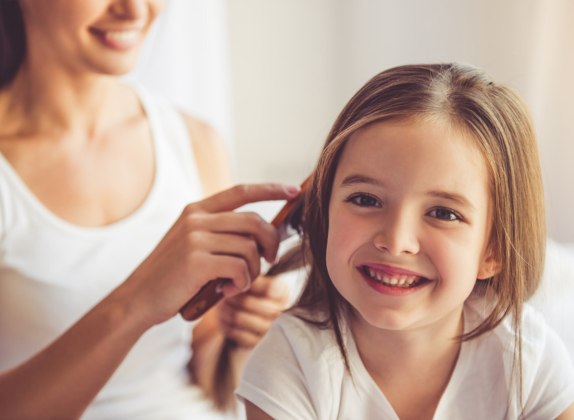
203,300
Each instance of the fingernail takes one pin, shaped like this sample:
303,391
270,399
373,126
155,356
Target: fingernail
246,287
292,190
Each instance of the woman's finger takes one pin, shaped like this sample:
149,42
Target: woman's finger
243,338
270,286
240,223
230,245
245,329
262,307
240,195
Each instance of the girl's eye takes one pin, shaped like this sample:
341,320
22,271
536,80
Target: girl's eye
444,214
364,200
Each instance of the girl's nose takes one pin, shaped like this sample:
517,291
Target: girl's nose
397,235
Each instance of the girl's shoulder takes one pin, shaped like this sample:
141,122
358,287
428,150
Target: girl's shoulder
295,371
537,336
307,335
532,323
547,370
542,350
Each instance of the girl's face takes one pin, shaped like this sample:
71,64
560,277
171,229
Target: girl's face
102,36
409,223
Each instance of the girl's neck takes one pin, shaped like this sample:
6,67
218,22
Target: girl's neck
410,367
58,105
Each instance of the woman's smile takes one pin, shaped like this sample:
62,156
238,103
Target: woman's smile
123,39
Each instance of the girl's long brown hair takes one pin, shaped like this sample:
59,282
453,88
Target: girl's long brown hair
498,122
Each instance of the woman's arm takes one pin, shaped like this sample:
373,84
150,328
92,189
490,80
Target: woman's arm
60,381
207,241
568,414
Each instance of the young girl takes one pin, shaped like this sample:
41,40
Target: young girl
424,229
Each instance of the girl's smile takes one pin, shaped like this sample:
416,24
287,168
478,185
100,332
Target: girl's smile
390,280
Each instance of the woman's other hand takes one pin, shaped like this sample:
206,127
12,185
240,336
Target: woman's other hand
246,317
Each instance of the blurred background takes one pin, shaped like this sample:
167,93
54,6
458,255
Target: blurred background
271,75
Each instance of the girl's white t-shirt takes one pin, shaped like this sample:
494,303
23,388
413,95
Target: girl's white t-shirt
297,372
52,272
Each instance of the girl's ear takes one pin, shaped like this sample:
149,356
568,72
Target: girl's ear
489,267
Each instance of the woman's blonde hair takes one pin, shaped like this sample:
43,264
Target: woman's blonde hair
498,122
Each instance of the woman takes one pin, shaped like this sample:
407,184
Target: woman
92,175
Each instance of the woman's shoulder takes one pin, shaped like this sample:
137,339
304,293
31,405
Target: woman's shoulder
210,152
208,148
157,105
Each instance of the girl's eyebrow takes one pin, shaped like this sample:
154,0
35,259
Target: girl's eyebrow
458,198
361,179
451,196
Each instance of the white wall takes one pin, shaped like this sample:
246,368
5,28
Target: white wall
284,85
294,63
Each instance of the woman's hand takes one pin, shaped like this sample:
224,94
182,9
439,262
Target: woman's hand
245,318
208,241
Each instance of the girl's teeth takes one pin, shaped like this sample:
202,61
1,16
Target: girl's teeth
399,281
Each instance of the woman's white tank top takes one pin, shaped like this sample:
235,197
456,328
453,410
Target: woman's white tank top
52,272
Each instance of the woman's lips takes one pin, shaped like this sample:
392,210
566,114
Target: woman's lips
118,39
